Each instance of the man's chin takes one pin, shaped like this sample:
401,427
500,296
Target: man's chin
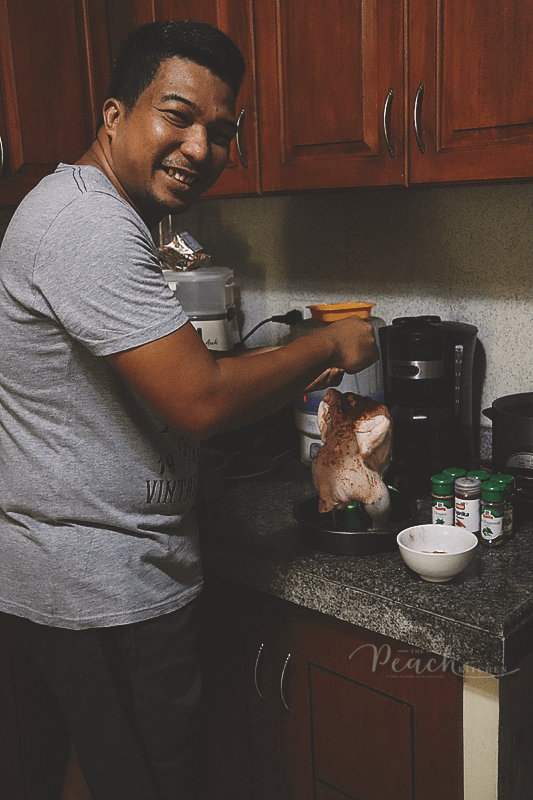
156,207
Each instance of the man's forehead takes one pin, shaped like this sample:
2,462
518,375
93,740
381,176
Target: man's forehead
182,72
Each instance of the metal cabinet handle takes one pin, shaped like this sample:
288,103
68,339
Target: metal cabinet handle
240,123
416,117
1,156
286,664
256,667
386,118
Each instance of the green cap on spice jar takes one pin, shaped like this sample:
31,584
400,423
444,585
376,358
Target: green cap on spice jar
481,474
500,477
456,472
442,483
492,493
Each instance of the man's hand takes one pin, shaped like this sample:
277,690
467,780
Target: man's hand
354,344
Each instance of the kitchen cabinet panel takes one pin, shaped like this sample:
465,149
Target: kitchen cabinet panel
54,60
470,67
335,711
347,746
330,93
348,93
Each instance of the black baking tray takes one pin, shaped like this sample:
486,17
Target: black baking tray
320,531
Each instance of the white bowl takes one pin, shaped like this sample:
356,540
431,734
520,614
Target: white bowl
437,552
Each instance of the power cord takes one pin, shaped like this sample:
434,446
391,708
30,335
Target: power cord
290,318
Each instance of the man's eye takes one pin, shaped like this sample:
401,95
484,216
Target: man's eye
176,117
221,138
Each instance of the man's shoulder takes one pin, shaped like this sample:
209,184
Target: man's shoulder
70,195
71,182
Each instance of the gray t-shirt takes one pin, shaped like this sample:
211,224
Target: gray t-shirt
95,488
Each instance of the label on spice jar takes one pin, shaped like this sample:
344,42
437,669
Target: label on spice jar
468,514
442,511
491,523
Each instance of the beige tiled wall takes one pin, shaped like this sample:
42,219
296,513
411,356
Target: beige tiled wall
464,253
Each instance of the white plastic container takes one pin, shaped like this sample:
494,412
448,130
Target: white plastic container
207,297
205,291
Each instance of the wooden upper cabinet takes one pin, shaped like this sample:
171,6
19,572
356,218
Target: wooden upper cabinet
331,105
235,18
54,66
470,74
329,109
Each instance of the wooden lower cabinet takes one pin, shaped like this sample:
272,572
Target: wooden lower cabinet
307,707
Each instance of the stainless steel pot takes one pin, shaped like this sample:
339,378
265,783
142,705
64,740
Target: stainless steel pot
512,446
512,431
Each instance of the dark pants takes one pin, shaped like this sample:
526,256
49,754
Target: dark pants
130,695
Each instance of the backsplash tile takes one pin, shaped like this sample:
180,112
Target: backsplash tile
464,253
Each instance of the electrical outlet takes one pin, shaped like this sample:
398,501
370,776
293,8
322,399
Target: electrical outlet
300,305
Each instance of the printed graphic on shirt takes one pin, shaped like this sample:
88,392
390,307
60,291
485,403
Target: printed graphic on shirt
172,488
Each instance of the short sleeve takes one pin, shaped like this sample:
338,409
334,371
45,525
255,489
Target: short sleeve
97,273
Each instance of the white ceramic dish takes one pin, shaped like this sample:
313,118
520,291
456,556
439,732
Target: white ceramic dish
437,552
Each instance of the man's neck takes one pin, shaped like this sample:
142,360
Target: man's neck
96,156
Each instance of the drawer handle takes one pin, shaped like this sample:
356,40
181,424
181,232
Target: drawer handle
386,120
240,123
416,117
1,156
257,658
283,671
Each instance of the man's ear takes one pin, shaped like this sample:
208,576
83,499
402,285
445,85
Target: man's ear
112,112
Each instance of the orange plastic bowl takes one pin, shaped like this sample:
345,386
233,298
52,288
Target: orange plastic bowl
330,312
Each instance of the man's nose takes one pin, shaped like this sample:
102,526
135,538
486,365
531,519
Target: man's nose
196,143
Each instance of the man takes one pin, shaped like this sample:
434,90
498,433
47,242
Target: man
105,388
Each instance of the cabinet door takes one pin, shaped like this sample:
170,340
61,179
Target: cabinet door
54,65
235,18
346,713
268,670
330,82
470,68
382,720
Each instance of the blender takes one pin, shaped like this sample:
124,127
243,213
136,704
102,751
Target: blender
207,297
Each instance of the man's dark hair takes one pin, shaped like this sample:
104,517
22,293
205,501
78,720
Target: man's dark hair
144,49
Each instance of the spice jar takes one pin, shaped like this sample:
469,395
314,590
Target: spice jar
468,504
455,472
492,511
442,499
508,482
482,474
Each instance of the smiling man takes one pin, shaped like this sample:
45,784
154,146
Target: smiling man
163,153
105,391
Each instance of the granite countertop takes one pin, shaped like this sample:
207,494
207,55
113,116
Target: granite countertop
483,617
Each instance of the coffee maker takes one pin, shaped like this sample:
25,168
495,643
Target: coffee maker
427,366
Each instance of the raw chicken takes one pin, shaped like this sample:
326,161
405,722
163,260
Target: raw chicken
357,437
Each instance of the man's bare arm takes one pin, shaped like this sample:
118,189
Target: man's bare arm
201,395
